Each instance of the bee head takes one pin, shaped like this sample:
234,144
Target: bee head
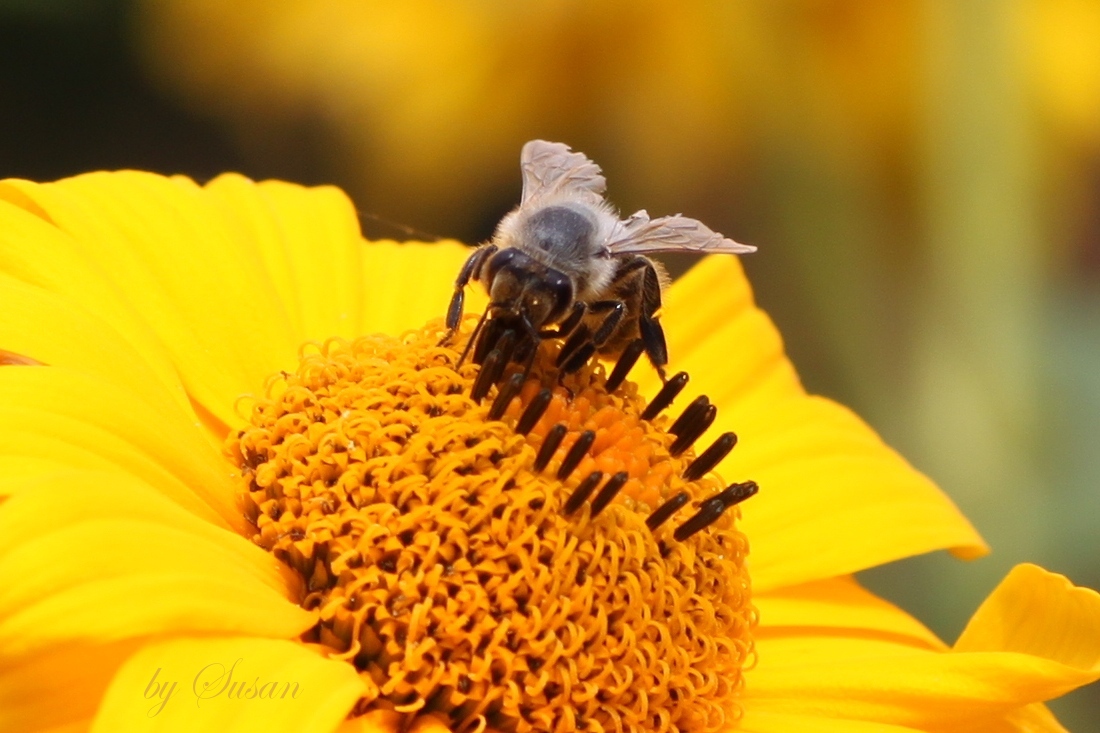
522,287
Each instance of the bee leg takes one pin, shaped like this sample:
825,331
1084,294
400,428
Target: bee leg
528,349
454,310
653,336
524,349
615,311
572,360
576,340
566,327
578,358
529,361
487,339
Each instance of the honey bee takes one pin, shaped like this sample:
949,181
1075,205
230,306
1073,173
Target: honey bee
563,264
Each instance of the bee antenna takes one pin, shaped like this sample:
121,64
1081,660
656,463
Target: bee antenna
408,231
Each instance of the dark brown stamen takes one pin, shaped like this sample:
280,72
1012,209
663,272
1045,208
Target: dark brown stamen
711,509
665,397
534,411
708,513
737,493
581,493
691,413
625,363
504,397
576,453
693,430
549,446
488,376
661,514
608,492
711,457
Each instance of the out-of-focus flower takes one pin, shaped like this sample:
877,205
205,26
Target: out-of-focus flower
436,97
1062,58
366,545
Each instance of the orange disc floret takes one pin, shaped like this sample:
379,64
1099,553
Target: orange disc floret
445,568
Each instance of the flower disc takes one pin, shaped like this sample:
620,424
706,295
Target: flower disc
465,583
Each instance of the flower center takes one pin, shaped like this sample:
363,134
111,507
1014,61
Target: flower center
550,558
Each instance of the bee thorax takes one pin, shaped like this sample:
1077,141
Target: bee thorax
561,231
567,236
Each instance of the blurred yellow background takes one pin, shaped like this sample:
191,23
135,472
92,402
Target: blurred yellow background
922,178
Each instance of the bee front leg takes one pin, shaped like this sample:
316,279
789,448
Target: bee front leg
472,265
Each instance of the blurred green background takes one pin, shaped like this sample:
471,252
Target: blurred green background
922,178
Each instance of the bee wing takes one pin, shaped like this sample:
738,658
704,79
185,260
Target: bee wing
553,167
642,235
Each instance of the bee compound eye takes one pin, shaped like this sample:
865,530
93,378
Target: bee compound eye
501,259
561,287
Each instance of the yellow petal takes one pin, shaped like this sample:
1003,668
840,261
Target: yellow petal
1034,718
756,721
68,401
238,684
35,251
1040,613
141,605
32,688
163,246
833,497
839,604
38,443
18,471
409,284
54,329
67,499
716,334
311,247
99,558
875,679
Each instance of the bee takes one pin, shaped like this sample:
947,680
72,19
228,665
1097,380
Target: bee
563,264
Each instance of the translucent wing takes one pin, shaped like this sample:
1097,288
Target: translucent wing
642,235
553,167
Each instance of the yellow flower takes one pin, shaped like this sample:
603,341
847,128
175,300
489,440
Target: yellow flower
414,88
356,545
